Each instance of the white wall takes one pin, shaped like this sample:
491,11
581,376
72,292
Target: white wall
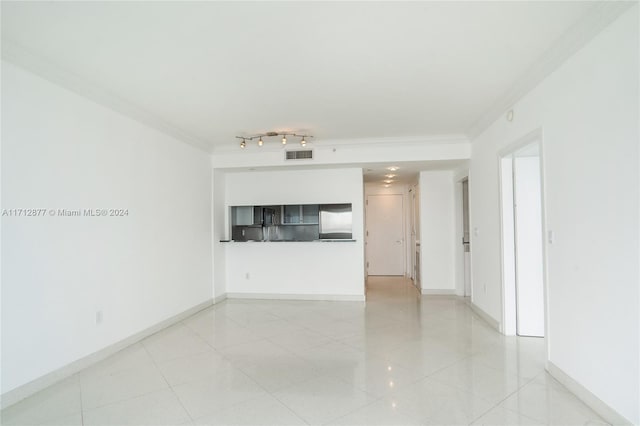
437,231
588,112
60,150
220,232
315,269
347,152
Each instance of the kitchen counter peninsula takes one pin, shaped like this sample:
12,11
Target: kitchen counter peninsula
340,240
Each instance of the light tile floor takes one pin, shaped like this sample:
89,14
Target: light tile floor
398,359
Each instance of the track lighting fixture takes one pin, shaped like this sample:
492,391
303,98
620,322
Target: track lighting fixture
260,136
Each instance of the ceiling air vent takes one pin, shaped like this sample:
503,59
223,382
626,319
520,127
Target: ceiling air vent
306,154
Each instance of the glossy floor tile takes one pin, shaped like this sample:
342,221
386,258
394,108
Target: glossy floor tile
398,359
56,405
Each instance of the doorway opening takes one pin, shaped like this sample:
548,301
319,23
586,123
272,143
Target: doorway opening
385,250
466,240
522,223
414,247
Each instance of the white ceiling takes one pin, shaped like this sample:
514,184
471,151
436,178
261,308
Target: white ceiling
339,70
407,171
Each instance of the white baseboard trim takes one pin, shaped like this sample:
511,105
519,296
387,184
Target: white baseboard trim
220,298
272,296
585,395
438,291
21,392
485,316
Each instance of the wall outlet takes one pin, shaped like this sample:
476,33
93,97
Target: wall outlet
246,276
484,288
98,317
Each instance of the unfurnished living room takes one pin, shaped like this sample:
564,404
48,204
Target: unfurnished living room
320,213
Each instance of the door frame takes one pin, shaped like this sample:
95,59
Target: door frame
402,191
413,218
458,179
507,325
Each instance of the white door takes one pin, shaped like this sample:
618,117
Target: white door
528,247
522,241
385,235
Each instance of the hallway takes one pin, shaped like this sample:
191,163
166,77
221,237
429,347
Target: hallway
401,358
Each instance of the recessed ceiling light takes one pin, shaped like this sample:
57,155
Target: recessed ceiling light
393,168
390,176
388,181
387,185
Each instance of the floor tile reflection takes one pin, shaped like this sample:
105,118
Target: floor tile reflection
398,359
